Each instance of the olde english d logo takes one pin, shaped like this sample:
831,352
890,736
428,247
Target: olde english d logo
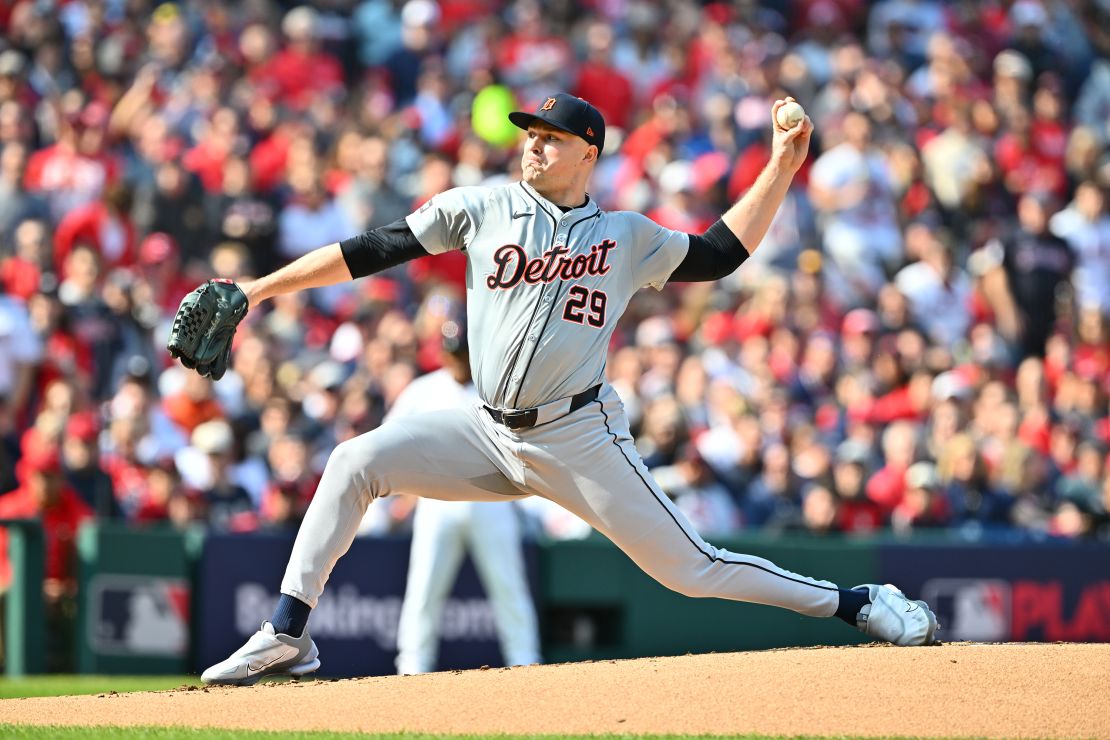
549,104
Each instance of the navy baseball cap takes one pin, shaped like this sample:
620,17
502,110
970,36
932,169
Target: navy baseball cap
566,113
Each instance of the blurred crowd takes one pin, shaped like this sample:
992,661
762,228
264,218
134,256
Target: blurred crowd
920,342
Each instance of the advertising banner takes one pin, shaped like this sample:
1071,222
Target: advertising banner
134,605
1042,592
139,616
355,623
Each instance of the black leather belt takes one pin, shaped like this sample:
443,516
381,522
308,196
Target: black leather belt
518,419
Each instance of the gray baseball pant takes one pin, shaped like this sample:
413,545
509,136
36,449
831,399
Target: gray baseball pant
585,462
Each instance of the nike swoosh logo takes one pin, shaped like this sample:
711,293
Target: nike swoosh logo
252,669
912,605
522,215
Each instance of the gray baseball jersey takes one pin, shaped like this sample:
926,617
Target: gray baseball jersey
544,292
544,288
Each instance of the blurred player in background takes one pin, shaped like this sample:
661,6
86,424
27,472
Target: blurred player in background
443,531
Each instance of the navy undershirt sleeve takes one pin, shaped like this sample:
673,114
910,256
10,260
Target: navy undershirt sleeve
381,248
711,256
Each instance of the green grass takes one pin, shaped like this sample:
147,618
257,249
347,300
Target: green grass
66,685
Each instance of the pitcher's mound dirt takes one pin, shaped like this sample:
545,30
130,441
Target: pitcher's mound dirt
965,689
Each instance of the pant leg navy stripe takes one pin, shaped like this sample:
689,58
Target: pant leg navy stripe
709,556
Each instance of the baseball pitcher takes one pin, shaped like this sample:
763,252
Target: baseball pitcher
548,275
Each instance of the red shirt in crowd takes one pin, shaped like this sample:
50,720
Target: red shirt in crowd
448,268
643,140
267,161
60,169
893,406
60,523
608,90
859,515
1028,167
750,163
93,224
130,482
206,160
301,76
20,277
887,487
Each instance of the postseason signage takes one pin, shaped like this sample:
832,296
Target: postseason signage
355,623
1023,592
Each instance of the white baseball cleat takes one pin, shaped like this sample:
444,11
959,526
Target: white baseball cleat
892,617
266,653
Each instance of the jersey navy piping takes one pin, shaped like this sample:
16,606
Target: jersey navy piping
551,310
539,296
537,200
711,558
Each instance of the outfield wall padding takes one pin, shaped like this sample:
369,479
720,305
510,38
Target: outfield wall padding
157,601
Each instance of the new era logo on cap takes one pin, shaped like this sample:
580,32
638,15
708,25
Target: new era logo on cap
566,113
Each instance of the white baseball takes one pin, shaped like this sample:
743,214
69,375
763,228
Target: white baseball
790,114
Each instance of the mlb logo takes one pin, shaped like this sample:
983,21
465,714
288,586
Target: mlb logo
975,609
139,616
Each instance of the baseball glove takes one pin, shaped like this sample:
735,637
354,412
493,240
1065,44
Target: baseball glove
205,326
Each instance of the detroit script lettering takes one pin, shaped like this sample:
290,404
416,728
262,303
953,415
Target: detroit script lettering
513,265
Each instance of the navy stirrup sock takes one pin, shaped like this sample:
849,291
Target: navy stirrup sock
291,616
850,604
